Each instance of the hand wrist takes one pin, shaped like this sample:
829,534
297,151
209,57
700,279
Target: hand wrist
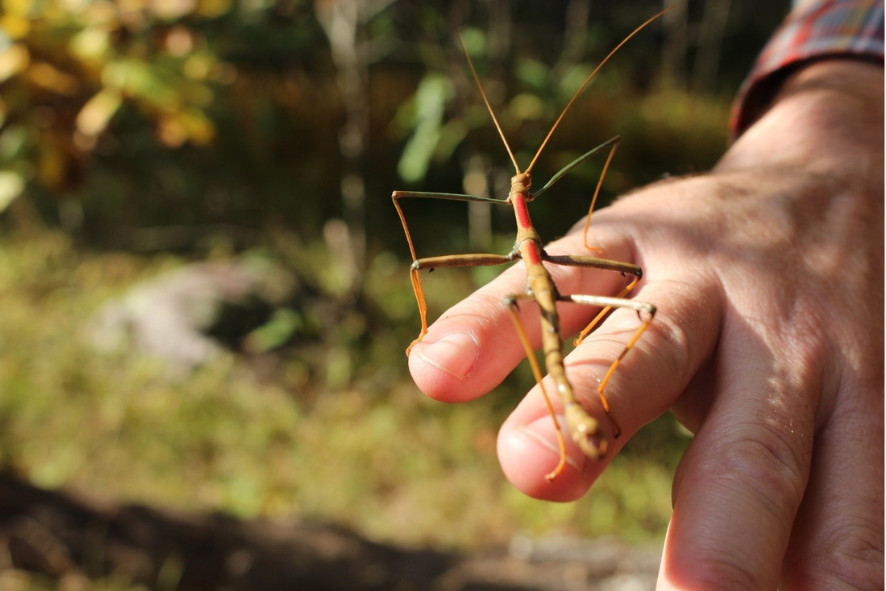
827,117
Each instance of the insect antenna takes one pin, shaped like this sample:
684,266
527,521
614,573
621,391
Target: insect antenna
489,106
583,86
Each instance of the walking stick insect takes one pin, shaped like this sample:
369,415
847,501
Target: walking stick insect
540,286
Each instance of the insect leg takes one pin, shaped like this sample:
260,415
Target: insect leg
607,303
598,263
612,144
511,302
443,261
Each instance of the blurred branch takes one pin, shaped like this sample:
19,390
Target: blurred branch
344,22
574,37
676,39
710,42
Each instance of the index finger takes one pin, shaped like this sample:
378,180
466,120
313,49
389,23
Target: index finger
473,346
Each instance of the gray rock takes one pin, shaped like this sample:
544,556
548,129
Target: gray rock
192,315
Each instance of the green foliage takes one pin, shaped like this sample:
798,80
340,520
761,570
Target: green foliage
210,118
426,121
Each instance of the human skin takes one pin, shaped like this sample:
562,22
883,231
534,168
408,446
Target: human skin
767,273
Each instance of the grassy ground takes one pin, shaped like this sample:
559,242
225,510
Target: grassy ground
369,452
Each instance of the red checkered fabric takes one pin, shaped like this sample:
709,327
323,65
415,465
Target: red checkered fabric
814,30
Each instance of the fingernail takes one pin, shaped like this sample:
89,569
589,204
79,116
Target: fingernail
454,354
542,432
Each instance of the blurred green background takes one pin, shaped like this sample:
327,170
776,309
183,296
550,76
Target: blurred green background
140,139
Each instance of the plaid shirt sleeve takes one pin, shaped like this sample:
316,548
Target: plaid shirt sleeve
814,30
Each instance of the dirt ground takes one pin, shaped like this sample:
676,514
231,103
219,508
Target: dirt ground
68,539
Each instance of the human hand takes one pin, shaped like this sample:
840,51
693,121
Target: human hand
768,345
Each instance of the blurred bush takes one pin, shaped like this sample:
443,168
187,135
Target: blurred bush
156,125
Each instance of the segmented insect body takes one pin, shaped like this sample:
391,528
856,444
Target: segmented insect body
540,286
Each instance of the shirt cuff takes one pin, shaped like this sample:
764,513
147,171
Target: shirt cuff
815,30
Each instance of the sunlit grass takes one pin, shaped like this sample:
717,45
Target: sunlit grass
372,454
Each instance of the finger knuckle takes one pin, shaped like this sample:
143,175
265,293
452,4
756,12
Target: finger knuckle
667,334
768,462
727,572
854,556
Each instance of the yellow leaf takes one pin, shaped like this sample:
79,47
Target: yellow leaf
198,66
174,129
93,118
171,131
13,61
11,186
15,26
52,164
172,9
213,8
201,130
51,78
91,43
